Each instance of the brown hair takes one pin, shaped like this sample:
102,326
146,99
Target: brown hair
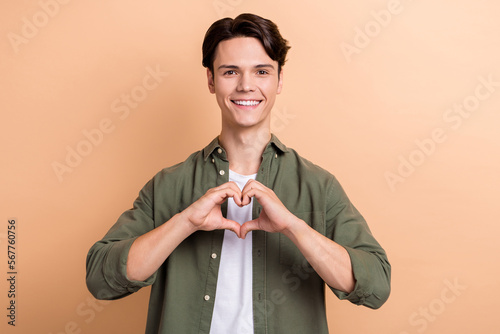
245,25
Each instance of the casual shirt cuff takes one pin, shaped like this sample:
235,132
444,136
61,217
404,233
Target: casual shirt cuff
115,269
363,289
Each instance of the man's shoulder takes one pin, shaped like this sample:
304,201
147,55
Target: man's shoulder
182,168
304,166
303,180
194,160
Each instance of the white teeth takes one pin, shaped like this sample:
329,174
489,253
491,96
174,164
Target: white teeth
247,103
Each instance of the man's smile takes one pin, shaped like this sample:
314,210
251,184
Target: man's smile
247,103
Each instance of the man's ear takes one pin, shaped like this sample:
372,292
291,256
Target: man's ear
211,81
280,82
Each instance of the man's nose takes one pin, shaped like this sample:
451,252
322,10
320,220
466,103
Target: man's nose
246,83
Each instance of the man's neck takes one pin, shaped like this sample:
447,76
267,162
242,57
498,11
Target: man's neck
244,149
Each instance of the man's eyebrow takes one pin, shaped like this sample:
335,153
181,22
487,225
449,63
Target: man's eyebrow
228,66
234,67
265,66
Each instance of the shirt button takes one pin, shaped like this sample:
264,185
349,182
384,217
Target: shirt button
276,156
221,172
219,150
207,297
213,161
214,256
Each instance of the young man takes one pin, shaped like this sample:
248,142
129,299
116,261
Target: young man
243,235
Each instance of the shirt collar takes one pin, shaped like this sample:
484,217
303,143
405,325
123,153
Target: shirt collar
274,144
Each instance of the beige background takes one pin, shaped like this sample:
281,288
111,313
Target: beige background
372,92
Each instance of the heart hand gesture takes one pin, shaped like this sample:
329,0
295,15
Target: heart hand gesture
205,214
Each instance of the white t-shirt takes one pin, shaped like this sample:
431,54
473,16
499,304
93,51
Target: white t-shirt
233,309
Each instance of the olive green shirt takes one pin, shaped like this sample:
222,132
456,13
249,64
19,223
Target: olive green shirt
288,295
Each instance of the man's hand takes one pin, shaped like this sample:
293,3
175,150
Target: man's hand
205,214
274,217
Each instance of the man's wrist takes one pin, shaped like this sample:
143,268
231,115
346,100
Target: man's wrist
183,221
295,229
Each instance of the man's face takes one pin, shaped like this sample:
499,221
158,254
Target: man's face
245,82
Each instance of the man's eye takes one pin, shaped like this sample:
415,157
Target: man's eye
263,72
230,72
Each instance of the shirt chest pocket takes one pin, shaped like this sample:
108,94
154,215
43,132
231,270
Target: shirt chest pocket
289,254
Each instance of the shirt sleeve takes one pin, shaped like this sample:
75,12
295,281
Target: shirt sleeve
107,258
371,268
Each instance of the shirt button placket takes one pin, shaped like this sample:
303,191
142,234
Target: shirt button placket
222,172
